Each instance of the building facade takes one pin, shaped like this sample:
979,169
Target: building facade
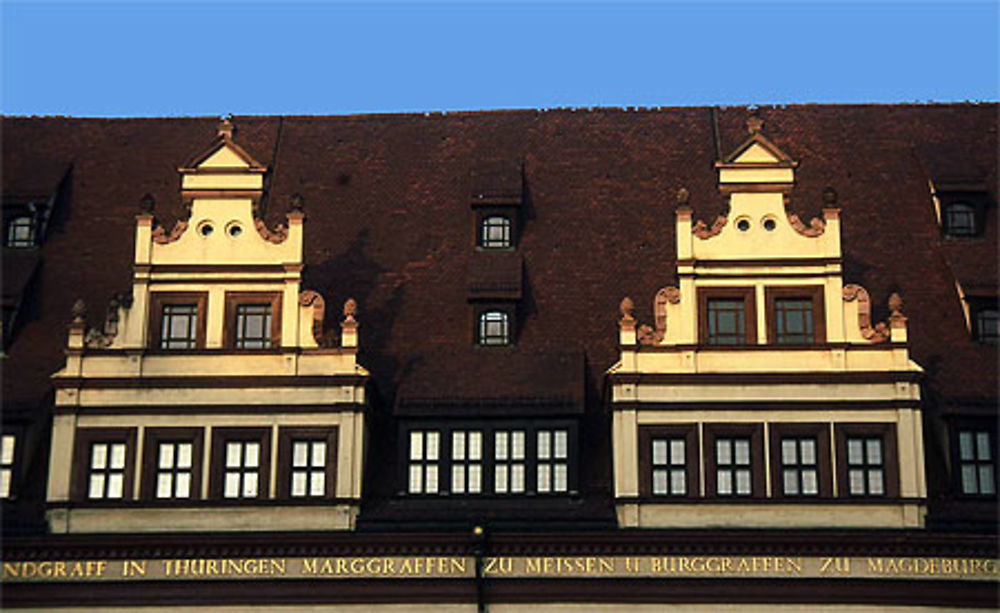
806,416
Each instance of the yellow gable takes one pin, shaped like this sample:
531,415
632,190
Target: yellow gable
756,154
225,157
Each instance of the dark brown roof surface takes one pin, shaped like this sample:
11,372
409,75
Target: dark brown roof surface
389,219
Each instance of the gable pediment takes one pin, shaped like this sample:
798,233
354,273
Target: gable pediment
758,149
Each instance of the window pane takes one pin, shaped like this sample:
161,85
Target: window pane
810,482
965,447
874,448
789,454
166,455
300,453
232,488
517,478
4,483
319,454
416,445
875,485
791,482
724,482
969,483
458,478
416,479
808,447
983,445
500,445
677,451
475,445
298,483
118,455
561,444
251,457
431,479
318,484
742,451
855,454
249,485
458,445
185,452
517,445
99,456
164,485
743,482
678,482
660,482
723,454
857,481
543,477
116,485
500,480
544,441
561,478
986,479
7,449
232,455
475,484
182,485
433,440
659,452
96,488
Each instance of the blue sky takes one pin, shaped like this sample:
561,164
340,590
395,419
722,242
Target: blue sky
182,58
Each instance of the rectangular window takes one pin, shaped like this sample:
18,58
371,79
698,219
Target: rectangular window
732,467
494,328
799,466
865,466
7,448
241,462
171,466
553,462
509,461
177,320
253,320
495,232
727,316
795,315
669,466
21,231
307,462
977,466
466,462
424,458
104,463
174,470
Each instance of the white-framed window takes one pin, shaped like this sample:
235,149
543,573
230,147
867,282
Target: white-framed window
8,443
669,461
552,453
106,471
308,472
241,473
865,466
494,328
733,476
508,461
174,470
424,460
466,462
494,232
799,466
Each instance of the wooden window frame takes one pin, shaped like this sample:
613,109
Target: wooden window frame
287,436
551,463
753,431
974,212
466,462
15,461
157,300
812,293
510,462
824,464
481,309
890,457
978,306
82,441
972,425
689,432
150,460
746,294
221,436
424,462
484,212
236,299
12,223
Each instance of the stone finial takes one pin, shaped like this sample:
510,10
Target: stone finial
627,308
896,305
79,311
350,310
226,128
297,204
829,197
755,124
147,204
683,197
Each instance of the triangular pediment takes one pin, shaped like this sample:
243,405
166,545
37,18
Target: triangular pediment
758,149
223,154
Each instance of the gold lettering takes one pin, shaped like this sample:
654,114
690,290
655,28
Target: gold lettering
130,568
309,566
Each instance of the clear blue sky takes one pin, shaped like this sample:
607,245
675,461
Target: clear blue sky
183,58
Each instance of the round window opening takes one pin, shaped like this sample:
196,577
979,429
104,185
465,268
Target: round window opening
769,225
743,225
235,230
206,229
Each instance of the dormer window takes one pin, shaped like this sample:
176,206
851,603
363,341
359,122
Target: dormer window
986,324
960,219
494,328
177,320
253,320
495,232
727,316
21,232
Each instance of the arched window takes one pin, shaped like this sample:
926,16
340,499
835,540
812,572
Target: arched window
494,328
960,219
494,232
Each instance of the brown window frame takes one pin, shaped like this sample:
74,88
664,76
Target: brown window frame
812,293
746,294
975,426
150,460
158,300
824,465
221,436
236,299
289,435
890,457
689,432
753,431
83,439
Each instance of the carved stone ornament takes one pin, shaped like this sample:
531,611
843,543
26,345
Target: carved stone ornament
646,335
683,196
666,295
350,310
226,128
79,311
755,124
879,333
315,300
297,203
702,231
278,235
627,308
829,197
816,226
147,204
160,236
